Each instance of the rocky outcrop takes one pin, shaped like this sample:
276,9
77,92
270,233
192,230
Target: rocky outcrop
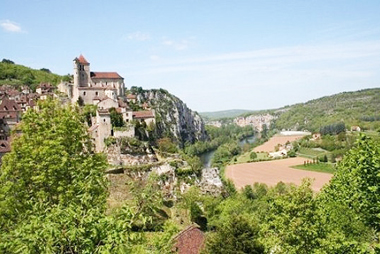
174,117
210,181
116,156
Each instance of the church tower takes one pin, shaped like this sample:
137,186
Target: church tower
81,75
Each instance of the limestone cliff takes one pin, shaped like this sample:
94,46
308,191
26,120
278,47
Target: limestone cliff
173,117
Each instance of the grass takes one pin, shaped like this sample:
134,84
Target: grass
318,167
373,134
244,158
311,153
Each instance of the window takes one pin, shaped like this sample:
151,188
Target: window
84,93
96,93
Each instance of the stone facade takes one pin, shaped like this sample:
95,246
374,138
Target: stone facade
92,85
101,129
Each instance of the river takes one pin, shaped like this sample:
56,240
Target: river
206,157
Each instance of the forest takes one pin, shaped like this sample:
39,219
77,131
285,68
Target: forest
19,75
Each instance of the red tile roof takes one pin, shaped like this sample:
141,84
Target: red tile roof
143,114
189,241
131,96
105,75
82,60
7,104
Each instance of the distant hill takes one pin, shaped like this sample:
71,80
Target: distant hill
353,108
18,75
224,114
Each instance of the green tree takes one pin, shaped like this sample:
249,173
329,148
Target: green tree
7,61
253,155
291,223
166,145
356,183
237,235
80,101
53,190
116,118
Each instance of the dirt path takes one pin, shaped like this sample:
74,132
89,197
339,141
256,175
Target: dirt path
272,172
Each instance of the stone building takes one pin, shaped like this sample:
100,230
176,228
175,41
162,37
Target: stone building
101,129
92,85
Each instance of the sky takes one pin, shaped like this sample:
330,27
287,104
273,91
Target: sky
212,54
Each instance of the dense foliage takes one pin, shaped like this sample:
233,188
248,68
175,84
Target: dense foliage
333,129
349,107
18,75
230,133
53,191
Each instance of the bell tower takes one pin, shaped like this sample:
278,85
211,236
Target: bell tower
81,75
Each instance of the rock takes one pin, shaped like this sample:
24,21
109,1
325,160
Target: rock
173,115
210,181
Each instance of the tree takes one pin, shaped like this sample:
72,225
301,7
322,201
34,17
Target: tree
253,155
7,61
166,145
53,190
237,235
291,223
45,70
116,118
356,185
80,101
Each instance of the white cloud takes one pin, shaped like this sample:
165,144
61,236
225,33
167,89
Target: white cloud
138,36
177,45
10,26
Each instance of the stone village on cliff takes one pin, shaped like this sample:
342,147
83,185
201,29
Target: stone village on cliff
104,89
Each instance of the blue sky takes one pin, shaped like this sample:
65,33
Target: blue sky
214,55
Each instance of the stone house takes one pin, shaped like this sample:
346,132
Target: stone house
101,129
45,88
131,98
189,241
355,128
107,103
147,116
10,111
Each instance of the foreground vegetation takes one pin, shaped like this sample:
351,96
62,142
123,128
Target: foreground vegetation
53,197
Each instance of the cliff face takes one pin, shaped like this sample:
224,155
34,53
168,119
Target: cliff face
173,117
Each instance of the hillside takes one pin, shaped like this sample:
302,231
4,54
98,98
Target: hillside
224,114
18,75
353,108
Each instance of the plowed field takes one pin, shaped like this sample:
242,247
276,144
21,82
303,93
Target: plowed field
272,172
275,140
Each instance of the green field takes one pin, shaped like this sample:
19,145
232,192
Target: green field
318,167
244,158
311,152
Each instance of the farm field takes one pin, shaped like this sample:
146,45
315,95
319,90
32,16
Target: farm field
272,172
275,140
